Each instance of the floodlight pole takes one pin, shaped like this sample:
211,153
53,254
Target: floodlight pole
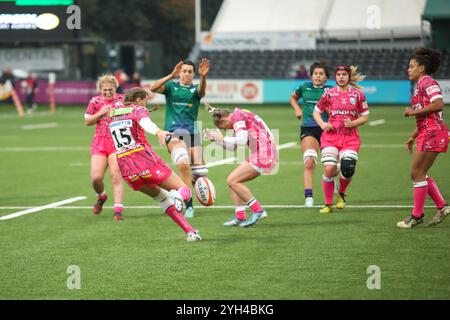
198,21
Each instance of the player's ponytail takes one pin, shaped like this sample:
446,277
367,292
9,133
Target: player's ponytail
356,77
217,114
429,58
133,94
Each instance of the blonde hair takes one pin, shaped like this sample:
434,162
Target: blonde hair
355,77
107,78
217,113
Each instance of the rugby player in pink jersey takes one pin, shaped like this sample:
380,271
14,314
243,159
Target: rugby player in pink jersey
431,135
139,165
249,129
347,108
102,147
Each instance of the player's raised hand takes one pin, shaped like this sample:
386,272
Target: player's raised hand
203,67
177,69
408,112
161,134
409,144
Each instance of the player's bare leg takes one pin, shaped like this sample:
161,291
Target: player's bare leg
98,167
310,147
329,173
172,203
243,173
179,153
117,186
422,162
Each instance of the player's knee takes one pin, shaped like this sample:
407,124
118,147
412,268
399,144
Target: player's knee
116,179
231,181
180,156
310,164
418,175
310,159
184,168
329,159
97,178
330,171
348,164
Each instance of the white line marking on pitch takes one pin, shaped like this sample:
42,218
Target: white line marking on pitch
42,149
40,126
36,209
377,122
232,159
273,206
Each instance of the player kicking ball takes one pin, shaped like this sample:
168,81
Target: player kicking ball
249,129
139,165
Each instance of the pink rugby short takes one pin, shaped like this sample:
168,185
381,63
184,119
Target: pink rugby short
102,146
432,141
155,175
341,142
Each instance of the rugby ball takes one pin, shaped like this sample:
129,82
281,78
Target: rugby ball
205,191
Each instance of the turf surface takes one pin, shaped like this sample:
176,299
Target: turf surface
296,253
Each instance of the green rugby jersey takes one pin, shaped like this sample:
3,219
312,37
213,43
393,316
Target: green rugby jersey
182,104
310,96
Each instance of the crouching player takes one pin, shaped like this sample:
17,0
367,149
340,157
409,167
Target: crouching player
139,165
251,130
340,142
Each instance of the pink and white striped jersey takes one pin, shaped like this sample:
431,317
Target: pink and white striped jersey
134,153
426,92
341,105
261,142
256,127
95,105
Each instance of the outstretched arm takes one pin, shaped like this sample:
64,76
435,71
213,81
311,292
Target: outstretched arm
150,127
158,85
203,71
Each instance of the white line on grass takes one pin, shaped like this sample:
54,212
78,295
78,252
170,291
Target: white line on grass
36,209
377,122
42,149
232,159
273,206
40,126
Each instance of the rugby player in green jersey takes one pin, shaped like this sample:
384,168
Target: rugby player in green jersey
310,132
182,103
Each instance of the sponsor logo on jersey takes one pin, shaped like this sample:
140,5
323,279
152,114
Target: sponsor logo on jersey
433,89
343,112
123,123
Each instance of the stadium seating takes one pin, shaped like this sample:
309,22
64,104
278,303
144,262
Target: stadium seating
376,63
343,35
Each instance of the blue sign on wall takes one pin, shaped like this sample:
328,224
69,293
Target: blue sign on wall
376,91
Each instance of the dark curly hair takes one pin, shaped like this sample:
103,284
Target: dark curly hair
429,58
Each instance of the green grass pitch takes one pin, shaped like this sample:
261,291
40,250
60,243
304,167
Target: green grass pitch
296,253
